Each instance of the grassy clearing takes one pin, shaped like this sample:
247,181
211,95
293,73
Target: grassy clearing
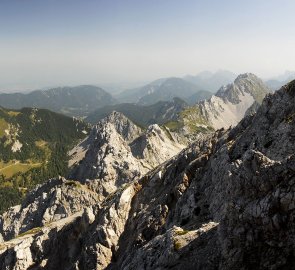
3,126
191,118
13,113
174,125
193,114
32,231
195,121
13,167
182,232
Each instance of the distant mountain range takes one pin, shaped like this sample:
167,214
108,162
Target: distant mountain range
227,107
161,90
144,115
72,101
278,81
224,109
211,81
93,101
139,199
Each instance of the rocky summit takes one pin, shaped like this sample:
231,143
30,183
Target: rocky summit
227,201
227,107
118,151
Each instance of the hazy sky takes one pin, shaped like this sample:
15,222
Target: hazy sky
67,42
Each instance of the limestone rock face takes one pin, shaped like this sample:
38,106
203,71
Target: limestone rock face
231,102
224,202
56,199
228,106
118,151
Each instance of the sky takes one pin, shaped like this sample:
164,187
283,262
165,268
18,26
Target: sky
46,43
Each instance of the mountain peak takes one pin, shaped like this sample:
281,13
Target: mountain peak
228,106
115,116
122,125
247,83
247,75
290,88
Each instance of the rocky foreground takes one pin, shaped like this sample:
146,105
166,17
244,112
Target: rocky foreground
225,202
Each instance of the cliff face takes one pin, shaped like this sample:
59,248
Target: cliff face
225,202
227,107
117,151
53,201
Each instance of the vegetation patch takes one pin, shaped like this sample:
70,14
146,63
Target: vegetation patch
32,231
3,127
177,245
167,132
43,153
11,168
9,196
73,183
290,118
174,125
183,232
13,113
193,115
191,118
43,145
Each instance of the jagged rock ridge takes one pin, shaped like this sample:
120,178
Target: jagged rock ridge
118,151
225,202
53,201
227,107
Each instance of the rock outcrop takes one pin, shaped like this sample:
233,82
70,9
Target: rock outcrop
227,107
52,201
118,151
224,202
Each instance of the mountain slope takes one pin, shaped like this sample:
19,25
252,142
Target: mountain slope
197,97
72,101
277,82
170,88
226,202
160,90
133,95
157,113
224,109
33,147
117,150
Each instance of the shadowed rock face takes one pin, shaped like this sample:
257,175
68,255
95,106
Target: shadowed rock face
225,202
